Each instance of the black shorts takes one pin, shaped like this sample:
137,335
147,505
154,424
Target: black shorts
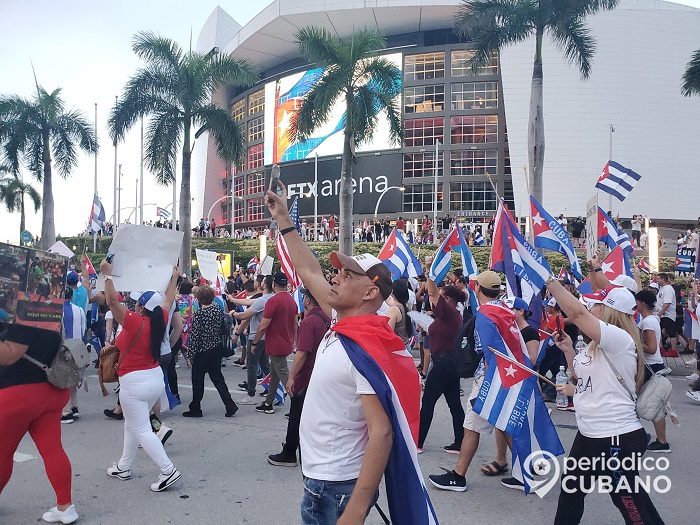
649,369
669,325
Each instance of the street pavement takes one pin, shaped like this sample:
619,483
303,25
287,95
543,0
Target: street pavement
226,478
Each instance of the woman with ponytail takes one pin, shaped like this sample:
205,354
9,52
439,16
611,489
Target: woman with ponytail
140,376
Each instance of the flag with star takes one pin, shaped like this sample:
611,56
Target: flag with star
616,263
294,214
549,234
399,258
610,235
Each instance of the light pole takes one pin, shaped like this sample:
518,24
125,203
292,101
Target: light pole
610,157
119,196
435,197
136,201
315,236
233,210
376,208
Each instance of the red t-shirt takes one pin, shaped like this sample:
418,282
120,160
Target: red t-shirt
311,332
282,310
447,323
400,225
139,357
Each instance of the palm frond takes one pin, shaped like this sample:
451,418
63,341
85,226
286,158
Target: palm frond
152,47
318,103
33,195
563,9
364,43
224,69
318,46
574,39
365,114
384,75
225,130
691,76
64,152
162,142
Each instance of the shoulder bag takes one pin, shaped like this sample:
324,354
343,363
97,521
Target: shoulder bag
110,360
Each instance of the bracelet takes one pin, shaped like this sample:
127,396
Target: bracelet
107,277
597,270
550,280
287,230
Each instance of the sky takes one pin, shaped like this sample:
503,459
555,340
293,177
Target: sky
84,47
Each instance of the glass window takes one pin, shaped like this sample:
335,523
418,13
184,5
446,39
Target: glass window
419,198
256,102
238,207
238,109
225,214
423,131
474,130
420,99
256,156
256,182
473,162
421,164
238,185
424,66
461,67
468,196
256,210
256,128
475,95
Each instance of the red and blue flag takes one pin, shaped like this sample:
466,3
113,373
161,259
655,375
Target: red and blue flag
549,234
399,258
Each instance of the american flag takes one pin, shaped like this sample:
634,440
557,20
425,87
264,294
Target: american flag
294,214
286,262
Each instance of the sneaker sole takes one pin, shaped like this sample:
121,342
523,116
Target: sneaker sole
453,488
120,476
514,487
282,463
451,451
167,483
166,437
665,451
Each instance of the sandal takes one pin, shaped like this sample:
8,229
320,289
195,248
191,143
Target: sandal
493,469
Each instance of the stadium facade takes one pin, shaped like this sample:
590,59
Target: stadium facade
473,124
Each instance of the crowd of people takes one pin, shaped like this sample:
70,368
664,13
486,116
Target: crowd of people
337,423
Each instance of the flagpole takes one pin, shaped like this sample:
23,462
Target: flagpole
610,157
435,196
141,177
527,369
94,233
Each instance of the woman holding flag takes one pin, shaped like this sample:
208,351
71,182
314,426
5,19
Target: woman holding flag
610,436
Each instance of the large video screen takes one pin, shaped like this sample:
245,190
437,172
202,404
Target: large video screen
283,98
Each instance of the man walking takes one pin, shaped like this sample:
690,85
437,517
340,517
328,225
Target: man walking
311,332
279,328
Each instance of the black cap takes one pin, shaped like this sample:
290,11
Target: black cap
280,279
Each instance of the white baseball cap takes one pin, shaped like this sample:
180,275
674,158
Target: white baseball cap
148,299
626,281
615,297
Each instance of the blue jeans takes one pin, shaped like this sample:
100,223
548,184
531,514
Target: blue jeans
325,501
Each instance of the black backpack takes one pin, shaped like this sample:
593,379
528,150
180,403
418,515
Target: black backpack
465,357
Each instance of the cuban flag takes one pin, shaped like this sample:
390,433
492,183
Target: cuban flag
381,357
617,180
585,286
478,238
546,340
298,298
519,409
162,212
442,262
253,263
97,215
399,258
643,266
286,263
616,263
610,235
549,234
281,393
684,261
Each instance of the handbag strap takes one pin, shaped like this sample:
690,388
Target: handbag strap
618,376
131,345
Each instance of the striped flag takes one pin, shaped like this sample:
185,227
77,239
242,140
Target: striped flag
97,215
294,214
643,266
298,298
399,258
692,315
253,263
281,393
551,235
610,235
684,260
478,239
286,261
386,364
162,212
546,340
617,180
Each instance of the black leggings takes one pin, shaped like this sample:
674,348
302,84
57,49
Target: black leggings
441,380
635,505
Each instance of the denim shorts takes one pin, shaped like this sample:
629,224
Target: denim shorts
325,501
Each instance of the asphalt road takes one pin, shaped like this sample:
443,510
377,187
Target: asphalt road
227,480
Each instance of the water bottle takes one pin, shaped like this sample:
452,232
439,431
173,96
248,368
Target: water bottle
580,345
562,400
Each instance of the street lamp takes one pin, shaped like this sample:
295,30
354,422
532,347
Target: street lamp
233,208
376,208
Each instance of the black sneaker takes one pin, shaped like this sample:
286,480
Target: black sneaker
453,448
656,446
450,480
114,415
76,412
283,459
513,483
191,413
264,407
243,385
67,419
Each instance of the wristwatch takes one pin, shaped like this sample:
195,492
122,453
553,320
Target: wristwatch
107,277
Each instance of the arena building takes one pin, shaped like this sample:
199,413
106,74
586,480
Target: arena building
468,126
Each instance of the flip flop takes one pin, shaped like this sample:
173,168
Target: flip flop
493,469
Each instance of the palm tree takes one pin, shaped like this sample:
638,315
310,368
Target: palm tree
175,89
691,77
365,84
12,194
39,132
494,24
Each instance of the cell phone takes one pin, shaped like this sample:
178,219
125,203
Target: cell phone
274,179
560,332
110,258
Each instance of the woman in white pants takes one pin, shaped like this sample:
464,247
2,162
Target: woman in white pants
140,376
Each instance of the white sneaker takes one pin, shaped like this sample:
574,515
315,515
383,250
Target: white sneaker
692,377
695,396
247,400
61,516
165,480
164,433
115,472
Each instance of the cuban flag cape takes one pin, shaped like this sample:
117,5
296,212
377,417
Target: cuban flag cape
518,410
399,258
549,234
381,357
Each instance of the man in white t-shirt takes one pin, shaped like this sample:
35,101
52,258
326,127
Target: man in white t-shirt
667,314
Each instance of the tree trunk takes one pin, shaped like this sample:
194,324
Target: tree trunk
345,197
48,228
535,135
186,205
21,215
